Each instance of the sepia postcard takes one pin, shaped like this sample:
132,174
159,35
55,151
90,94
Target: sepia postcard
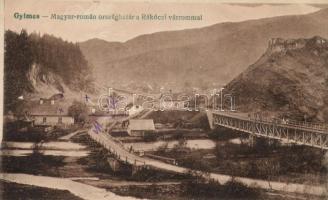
164,100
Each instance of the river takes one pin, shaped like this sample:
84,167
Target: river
50,148
194,144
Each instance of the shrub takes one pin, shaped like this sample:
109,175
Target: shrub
79,111
213,190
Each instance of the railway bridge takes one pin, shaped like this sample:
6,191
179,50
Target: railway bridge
315,135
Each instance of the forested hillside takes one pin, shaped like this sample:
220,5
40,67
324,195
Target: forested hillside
34,63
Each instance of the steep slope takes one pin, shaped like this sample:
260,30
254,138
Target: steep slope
195,57
40,66
290,79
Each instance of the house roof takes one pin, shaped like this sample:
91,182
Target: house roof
141,124
60,108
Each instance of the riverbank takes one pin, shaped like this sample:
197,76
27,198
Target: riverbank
11,190
83,191
266,160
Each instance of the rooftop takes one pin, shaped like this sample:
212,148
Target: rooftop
141,124
58,108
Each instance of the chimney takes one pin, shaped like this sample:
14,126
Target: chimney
41,101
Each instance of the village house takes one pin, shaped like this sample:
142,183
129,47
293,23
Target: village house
140,127
51,112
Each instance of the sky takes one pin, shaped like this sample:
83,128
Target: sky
81,30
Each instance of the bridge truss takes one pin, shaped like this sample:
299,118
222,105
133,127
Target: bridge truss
285,132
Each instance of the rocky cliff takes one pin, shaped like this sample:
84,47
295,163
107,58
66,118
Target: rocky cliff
290,79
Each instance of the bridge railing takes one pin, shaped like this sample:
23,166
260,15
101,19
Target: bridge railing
124,155
310,125
294,123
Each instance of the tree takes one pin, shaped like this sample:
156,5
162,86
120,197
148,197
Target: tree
79,111
18,59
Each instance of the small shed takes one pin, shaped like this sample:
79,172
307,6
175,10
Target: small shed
139,127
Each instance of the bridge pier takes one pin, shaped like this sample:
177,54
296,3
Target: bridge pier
252,140
210,119
114,164
136,168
